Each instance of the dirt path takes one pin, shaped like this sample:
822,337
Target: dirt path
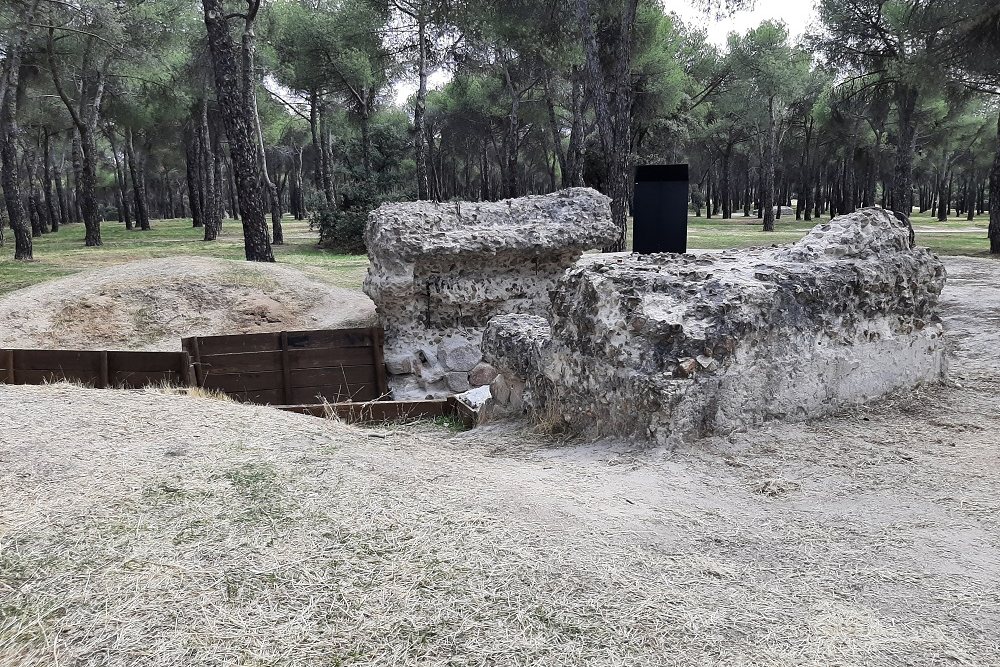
166,530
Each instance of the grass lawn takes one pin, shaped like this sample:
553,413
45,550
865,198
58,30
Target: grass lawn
955,237
63,253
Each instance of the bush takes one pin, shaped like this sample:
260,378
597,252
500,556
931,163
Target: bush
342,228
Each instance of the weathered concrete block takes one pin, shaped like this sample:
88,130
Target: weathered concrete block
673,347
439,272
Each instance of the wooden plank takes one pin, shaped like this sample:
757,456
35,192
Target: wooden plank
376,411
330,356
263,397
232,344
240,382
332,338
119,361
191,345
186,370
381,381
241,362
50,376
139,379
10,366
286,371
312,377
463,412
102,374
75,360
334,393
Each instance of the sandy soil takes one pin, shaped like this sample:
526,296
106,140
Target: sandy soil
141,528
152,304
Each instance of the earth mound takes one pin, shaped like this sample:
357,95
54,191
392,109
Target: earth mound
152,304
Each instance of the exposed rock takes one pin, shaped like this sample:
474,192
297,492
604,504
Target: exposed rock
482,375
457,354
457,382
439,272
673,347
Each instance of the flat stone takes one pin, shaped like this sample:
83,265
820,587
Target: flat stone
458,382
458,355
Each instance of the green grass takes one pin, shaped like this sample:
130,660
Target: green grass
958,236
62,253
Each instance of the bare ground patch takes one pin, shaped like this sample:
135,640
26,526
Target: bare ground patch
142,528
151,304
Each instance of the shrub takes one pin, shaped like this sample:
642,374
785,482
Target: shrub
342,228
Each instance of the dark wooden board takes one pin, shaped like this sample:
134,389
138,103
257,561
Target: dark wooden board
50,360
211,345
146,361
375,411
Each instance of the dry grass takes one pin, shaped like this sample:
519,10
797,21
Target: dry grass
149,528
181,534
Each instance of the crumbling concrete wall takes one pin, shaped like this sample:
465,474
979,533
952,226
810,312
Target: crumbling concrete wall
673,347
439,272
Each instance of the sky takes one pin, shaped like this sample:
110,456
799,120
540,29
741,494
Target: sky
797,15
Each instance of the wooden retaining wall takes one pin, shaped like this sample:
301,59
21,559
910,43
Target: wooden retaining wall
98,368
292,367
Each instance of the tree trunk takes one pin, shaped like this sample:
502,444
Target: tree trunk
250,96
615,125
191,172
50,205
767,171
574,153
238,123
90,211
210,183
419,109
994,228
513,139
557,138
902,187
137,172
121,181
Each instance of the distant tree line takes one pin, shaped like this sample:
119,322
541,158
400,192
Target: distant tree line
134,110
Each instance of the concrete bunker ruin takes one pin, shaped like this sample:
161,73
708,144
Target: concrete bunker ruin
439,272
664,348
669,348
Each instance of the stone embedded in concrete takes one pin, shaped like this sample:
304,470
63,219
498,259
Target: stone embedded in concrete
669,348
459,355
458,382
439,272
482,375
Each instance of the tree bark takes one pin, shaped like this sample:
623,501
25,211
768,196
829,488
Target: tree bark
50,205
238,123
192,175
419,109
9,174
137,172
767,171
902,186
994,228
250,95
614,126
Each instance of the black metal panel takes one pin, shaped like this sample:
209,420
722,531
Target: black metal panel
660,208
